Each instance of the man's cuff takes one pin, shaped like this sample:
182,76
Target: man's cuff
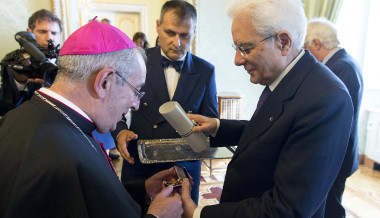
213,134
120,126
136,189
197,212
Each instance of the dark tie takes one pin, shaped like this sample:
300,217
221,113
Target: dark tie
263,96
176,64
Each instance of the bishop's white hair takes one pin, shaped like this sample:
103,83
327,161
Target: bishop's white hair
80,67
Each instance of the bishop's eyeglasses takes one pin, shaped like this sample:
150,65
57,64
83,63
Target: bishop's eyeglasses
136,92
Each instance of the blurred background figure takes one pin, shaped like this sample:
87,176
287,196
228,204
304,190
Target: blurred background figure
322,42
108,143
140,40
105,20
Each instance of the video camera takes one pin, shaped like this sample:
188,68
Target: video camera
32,59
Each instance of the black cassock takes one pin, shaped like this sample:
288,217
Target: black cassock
50,169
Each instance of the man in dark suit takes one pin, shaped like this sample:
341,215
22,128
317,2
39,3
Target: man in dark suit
191,83
290,152
322,41
57,168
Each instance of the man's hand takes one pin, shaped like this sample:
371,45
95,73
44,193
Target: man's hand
38,80
19,77
123,139
166,204
154,184
22,78
203,124
187,203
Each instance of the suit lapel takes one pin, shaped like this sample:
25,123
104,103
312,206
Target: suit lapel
187,81
156,78
272,108
262,121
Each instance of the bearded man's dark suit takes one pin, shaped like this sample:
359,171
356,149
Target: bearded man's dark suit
290,152
345,67
195,92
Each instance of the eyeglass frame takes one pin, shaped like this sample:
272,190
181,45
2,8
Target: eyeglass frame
243,51
136,92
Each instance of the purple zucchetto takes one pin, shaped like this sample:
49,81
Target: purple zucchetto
96,38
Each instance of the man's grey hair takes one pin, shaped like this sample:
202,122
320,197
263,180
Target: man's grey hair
78,68
324,31
269,17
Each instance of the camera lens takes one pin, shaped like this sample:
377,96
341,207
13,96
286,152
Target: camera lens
50,74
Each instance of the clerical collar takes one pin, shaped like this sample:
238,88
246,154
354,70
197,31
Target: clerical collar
274,84
181,59
63,100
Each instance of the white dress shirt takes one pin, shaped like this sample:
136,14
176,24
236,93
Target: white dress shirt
172,76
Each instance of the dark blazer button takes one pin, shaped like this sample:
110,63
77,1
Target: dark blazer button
145,104
155,126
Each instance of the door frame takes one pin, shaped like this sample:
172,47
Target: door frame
71,21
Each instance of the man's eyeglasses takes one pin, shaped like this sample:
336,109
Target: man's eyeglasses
137,93
243,51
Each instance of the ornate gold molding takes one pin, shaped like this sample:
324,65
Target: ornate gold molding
194,45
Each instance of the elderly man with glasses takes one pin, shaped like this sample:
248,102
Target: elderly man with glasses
57,168
322,42
290,152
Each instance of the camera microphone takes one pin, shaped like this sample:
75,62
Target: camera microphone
25,39
32,59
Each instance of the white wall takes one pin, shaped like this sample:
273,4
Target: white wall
215,46
359,35
14,18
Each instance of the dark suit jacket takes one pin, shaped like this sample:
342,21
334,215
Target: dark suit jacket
195,92
10,96
345,67
290,152
53,170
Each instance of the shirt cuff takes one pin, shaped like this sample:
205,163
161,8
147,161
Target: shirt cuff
197,212
213,134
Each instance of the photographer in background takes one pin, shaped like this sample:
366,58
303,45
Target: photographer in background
16,87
